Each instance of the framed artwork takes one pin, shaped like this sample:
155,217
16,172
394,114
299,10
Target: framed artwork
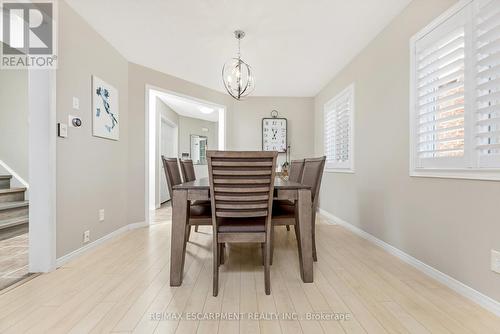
105,110
274,134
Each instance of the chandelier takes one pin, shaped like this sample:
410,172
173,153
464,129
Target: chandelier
237,75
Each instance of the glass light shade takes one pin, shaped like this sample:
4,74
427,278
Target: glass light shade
238,78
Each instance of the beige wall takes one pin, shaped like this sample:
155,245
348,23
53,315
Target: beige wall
449,224
247,125
193,126
91,172
14,120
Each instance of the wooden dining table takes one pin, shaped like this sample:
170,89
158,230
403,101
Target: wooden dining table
185,193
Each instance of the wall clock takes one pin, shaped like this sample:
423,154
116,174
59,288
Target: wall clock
274,133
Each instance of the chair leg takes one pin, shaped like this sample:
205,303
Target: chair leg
222,253
188,232
315,257
288,227
271,246
196,228
215,248
267,268
263,252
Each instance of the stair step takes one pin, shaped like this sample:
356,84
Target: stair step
5,181
12,195
13,222
9,210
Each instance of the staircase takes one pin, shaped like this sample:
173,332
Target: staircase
13,207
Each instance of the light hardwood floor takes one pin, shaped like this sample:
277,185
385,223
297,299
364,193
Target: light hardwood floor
123,285
13,255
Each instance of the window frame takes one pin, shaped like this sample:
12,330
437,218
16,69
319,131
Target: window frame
472,171
349,165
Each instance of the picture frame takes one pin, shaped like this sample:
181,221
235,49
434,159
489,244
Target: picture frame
105,110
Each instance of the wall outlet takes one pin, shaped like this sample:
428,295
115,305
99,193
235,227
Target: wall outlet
101,215
76,103
86,236
495,261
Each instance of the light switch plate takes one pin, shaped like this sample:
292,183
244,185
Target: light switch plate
101,215
62,130
76,103
495,261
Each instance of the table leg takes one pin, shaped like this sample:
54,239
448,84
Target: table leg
178,236
305,231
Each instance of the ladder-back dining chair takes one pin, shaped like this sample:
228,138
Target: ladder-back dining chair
187,169
241,190
188,174
198,214
286,214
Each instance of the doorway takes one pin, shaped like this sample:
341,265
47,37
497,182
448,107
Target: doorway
172,120
168,148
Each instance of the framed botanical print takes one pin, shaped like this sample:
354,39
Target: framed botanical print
274,134
105,110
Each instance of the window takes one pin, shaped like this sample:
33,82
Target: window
339,131
455,93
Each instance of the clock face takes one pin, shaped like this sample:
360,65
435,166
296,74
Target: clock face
274,134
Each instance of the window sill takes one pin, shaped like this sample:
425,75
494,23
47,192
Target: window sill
465,174
339,170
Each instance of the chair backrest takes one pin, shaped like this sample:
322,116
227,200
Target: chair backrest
172,173
296,169
187,169
313,172
241,184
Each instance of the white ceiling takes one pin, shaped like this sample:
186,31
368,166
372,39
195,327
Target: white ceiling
294,46
189,107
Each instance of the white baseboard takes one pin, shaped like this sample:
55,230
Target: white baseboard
486,302
80,251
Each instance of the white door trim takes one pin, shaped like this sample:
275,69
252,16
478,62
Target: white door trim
42,170
175,128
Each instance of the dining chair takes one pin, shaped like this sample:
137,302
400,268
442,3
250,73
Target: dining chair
188,174
296,170
187,169
199,214
241,190
286,214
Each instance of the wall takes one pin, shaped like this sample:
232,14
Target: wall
91,172
193,126
247,130
449,224
14,121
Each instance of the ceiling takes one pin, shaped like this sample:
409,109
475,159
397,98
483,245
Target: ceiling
295,47
189,107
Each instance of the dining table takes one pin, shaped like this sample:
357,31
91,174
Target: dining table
199,190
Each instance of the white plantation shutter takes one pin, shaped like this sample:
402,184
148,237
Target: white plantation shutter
338,137
440,61
487,111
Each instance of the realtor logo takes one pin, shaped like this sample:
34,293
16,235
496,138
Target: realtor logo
29,35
